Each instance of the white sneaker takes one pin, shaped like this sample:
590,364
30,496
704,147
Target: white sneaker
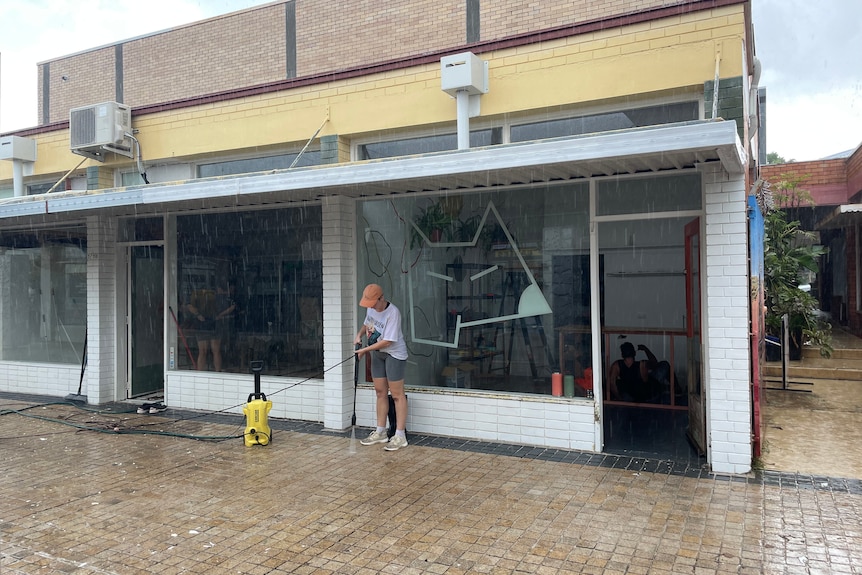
396,443
375,437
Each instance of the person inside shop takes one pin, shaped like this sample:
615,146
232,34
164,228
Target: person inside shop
212,315
388,349
638,381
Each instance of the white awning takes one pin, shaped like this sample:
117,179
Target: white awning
640,150
841,217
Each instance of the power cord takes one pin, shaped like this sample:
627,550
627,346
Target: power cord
117,429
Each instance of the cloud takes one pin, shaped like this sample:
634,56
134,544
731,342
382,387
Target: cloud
812,74
808,47
39,30
812,126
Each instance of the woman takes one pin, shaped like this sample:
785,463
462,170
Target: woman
382,328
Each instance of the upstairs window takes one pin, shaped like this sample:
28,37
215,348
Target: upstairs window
251,165
605,122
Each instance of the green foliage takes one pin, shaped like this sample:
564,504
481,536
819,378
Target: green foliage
789,254
773,158
434,222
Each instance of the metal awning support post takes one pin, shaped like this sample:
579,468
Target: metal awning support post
785,349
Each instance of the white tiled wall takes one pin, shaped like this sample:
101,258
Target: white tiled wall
339,309
292,398
541,420
40,378
726,342
99,380
101,375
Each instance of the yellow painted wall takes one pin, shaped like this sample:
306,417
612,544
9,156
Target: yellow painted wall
675,53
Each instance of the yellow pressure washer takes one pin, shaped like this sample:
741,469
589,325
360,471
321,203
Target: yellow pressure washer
257,430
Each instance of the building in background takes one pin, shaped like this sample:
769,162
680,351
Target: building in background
835,188
532,185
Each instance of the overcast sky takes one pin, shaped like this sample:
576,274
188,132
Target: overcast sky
811,53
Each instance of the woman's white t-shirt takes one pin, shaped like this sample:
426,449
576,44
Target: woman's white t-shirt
388,324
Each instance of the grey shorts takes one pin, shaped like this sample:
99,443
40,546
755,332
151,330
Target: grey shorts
384,365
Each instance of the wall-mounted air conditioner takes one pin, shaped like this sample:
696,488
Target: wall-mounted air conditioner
100,128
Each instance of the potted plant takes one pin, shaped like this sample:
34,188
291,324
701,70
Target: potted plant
790,254
435,222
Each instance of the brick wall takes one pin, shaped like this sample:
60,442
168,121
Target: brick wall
250,47
360,32
825,179
244,49
89,79
513,17
854,174
729,101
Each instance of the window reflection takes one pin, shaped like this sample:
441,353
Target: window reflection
250,165
249,287
43,295
617,196
427,144
644,304
493,286
496,290
621,120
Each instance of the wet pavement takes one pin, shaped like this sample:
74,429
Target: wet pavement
814,429
102,492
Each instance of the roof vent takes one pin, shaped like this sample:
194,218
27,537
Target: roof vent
100,128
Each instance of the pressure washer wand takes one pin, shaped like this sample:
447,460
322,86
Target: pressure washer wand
355,381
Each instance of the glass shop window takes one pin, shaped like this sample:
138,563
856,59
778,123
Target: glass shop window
43,295
616,196
251,283
493,287
141,229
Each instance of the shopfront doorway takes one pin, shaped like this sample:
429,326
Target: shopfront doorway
650,308
694,360
145,329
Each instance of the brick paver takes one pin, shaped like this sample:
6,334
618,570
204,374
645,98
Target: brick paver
78,501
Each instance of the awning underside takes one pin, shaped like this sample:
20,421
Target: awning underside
642,150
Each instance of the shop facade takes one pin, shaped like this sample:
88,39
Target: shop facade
564,229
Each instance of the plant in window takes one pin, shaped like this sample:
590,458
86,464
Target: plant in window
435,223
789,255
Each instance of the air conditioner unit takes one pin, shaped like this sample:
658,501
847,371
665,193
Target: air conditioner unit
100,128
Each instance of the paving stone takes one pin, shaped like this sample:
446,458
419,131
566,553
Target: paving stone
111,492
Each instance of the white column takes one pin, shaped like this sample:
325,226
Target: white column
339,309
101,377
726,342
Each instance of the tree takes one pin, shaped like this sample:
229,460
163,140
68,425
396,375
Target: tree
789,255
772,158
